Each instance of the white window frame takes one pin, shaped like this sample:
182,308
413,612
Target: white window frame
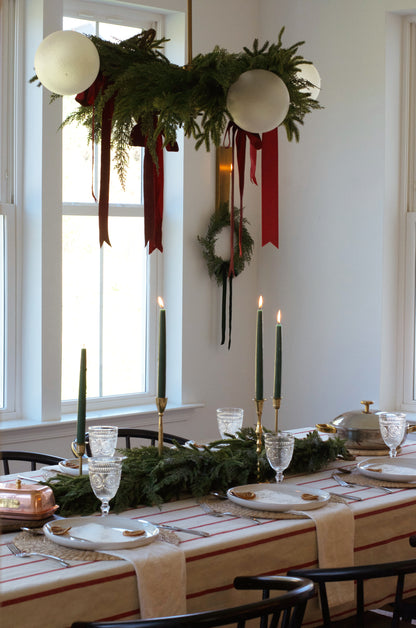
407,369
111,13
33,311
8,140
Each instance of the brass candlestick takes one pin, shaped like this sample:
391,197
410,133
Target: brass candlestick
80,451
276,406
161,405
259,432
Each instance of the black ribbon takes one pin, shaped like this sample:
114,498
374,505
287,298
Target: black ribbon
225,270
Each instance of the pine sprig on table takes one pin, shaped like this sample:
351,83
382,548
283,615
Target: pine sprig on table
148,479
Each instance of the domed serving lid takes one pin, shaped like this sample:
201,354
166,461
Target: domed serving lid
364,419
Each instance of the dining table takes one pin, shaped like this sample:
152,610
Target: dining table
199,571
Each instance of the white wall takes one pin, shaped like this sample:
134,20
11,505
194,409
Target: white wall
328,274
336,227
212,374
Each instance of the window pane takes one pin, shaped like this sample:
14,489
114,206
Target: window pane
124,307
104,290
80,302
77,156
2,307
112,326
77,175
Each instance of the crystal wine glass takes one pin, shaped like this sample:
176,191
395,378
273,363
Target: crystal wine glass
230,420
105,474
279,451
393,429
102,440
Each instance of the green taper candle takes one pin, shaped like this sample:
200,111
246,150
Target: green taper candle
277,391
161,374
259,352
82,398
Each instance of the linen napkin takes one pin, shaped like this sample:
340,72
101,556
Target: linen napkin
161,578
335,540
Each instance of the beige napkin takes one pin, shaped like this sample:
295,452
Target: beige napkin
335,539
161,578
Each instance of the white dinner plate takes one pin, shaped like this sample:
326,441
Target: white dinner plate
101,533
393,469
278,497
71,466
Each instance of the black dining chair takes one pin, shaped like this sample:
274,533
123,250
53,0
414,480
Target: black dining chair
141,437
289,608
27,456
408,605
360,574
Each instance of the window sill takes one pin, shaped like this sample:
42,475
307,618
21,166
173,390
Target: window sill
15,431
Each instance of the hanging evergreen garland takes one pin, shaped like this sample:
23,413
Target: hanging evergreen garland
144,82
139,92
218,267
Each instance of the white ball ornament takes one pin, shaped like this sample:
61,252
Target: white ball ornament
67,62
258,101
308,72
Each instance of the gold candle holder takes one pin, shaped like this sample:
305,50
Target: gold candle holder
161,405
276,406
79,452
259,432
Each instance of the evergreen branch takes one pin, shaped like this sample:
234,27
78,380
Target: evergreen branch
182,471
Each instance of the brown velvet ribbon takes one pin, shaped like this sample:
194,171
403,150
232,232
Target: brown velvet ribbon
153,183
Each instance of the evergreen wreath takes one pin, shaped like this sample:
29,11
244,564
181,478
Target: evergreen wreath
220,268
217,266
148,479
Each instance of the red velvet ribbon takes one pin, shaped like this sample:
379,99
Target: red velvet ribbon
268,144
270,188
153,183
87,99
239,142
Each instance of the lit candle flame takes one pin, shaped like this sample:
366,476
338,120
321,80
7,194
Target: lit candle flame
278,317
260,302
160,301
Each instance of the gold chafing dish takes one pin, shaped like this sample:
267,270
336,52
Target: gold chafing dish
26,501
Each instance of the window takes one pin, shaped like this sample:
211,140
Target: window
408,395
58,290
105,295
7,211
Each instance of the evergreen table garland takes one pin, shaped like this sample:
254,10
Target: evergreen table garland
183,471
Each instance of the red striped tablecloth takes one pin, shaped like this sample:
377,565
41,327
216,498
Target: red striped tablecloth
36,592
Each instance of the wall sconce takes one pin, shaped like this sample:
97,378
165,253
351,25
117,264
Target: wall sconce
224,171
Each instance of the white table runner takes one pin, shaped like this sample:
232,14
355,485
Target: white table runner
161,578
335,539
